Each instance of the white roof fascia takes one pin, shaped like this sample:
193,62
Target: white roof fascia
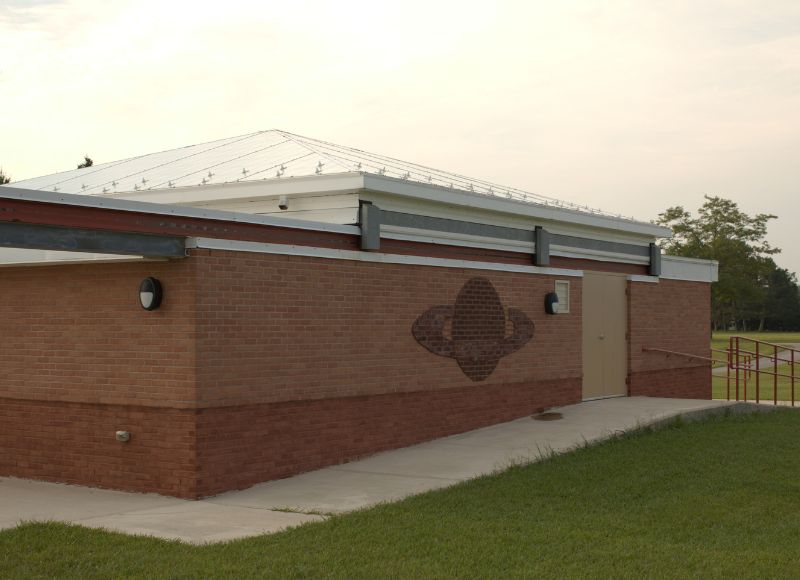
463,198
30,257
643,279
309,185
174,210
429,208
689,269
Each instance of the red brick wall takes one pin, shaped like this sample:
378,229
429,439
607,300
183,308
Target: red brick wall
261,366
77,333
81,360
671,315
306,362
314,357
284,328
74,443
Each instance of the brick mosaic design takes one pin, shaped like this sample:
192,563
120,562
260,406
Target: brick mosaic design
478,329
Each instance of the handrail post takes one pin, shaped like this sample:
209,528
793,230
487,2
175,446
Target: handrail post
758,373
730,364
746,374
792,365
736,339
775,376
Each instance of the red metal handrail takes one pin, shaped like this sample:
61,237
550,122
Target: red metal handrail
741,367
683,354
736,352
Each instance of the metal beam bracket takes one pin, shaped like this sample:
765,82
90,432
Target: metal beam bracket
655,261
370,222
541,239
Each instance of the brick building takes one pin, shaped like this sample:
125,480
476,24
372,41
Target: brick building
319,304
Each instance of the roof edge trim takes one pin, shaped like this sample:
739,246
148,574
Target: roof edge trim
92,201
381,183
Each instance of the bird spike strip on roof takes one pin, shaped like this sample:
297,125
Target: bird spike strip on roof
272,154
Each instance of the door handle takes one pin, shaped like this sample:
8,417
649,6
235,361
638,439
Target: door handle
602,337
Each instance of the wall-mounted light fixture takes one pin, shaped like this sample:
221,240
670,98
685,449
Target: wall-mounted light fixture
150,293
551,303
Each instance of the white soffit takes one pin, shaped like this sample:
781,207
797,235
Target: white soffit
434,201
266,157
29,257
119,204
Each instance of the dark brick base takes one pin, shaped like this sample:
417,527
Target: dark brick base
241,446
75,443
197,453
680,383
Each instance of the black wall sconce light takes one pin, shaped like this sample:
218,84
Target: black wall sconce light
551,303
150,293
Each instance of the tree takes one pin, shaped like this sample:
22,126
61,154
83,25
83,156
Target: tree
87,162
782,305
4,178
722,232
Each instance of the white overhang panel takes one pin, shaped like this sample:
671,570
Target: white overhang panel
95,201
311,185
27,257
497,204
689,269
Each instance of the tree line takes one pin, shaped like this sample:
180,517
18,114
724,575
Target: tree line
753,292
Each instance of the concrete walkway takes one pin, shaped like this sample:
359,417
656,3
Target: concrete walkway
389,476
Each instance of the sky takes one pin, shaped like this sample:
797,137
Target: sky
630,106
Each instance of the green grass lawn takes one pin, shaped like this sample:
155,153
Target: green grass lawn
720,340
766,388
719,498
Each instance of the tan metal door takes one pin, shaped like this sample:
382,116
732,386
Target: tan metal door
605,345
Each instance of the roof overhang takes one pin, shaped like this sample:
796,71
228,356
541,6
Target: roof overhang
449,196
39,227
309,185
355,182
165,209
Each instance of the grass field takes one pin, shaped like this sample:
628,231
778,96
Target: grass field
720,340
714,499
766,387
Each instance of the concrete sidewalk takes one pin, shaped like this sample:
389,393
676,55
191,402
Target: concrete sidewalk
389,476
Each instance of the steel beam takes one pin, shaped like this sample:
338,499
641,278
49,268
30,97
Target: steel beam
370,226
541,247
422,222
655,260
38,237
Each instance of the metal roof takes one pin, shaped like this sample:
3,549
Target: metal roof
266,155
